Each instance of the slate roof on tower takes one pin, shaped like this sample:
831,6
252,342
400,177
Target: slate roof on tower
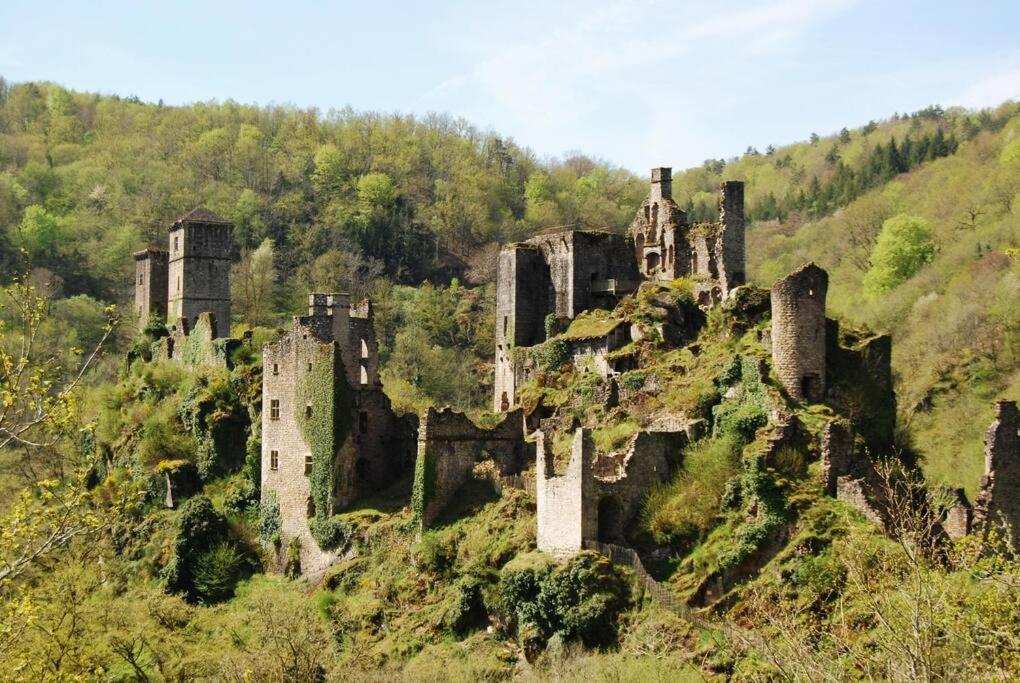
200,214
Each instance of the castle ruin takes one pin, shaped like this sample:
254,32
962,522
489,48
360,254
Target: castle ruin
544,282
799,332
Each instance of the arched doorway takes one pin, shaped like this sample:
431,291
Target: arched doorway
610,520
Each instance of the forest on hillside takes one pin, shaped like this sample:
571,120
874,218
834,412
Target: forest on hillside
412,210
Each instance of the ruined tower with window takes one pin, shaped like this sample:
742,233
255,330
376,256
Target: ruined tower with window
798,332
151,284
329,434
201,246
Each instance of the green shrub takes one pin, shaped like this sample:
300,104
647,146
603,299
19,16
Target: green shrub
330,532
217,571
468,610
580,600
633,380
269,518
240,498
904,245
742,421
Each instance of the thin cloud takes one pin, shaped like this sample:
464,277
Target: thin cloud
992,90
619,56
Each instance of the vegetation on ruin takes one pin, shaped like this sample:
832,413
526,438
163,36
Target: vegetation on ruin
914,217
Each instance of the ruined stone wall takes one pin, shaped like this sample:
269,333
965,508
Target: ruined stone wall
198,345
658,232
959,516
450,445
798,332
730,249
859,382
371,446
151,273
199,271
837,454
566,505
622,485
999,499
523,294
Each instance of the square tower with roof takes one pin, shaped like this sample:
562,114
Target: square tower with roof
201,245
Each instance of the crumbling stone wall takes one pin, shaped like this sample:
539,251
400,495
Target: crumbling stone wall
596,499
559,275
798,332
201,247
450,445
859,383
854,492
196,347
151,273
957,523
837,454
999,499
658,232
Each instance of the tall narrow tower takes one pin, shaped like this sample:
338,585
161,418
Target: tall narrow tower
150,285
201,244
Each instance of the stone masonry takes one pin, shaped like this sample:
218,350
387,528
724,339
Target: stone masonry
372,445
998,502
201,247
596,497
798,332
151,273
450,449
659,232
553,276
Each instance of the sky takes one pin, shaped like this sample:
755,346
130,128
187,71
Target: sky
637,83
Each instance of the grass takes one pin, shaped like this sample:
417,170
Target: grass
590,325
686,508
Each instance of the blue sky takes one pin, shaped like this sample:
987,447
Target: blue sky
637,83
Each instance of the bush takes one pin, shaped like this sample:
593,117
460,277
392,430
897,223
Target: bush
269,519
580,600
331,532
240,498
468,611
217,571
742,421
435,552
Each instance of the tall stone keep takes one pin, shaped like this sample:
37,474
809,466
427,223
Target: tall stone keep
999,499
150,284
798,332
731,236
201,244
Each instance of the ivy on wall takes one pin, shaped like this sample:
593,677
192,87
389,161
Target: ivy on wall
424,486
323,412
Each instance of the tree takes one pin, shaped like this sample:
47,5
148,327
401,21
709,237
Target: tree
254,282
904,246
844,136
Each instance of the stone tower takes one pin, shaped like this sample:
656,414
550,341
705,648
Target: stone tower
660,246
201,245
731,236
150,284
798,332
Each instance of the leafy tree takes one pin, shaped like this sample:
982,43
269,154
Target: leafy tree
904,246
254,283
